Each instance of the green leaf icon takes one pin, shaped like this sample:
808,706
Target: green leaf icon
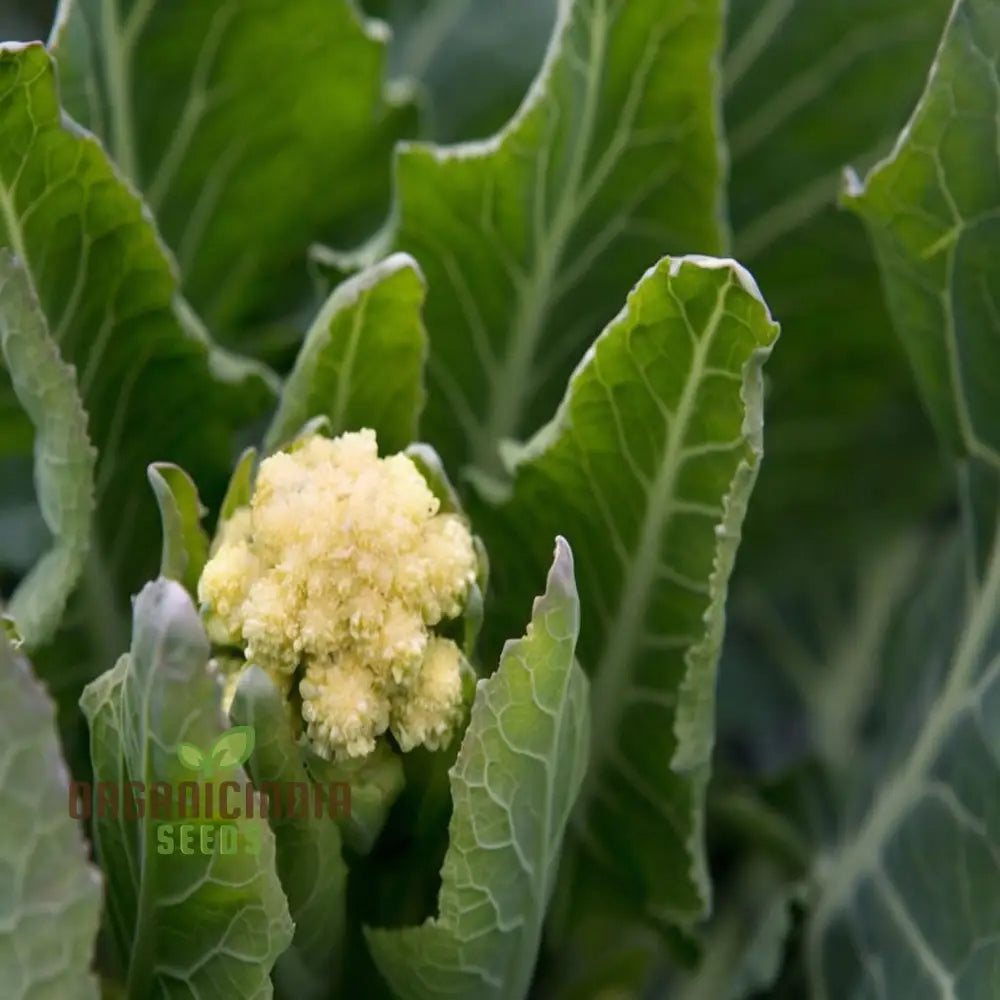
190,756
233,747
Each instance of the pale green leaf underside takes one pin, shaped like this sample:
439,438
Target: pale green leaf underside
513,785
312,871
530,240
933,211
64,457
154,389
51,893
647,468
194,925
362,362
910,899
252,127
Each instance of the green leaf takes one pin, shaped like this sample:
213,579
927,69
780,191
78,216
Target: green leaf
909,893
64,457
376,782
808,88
240,489
187,925
647,467
190,756
362,362
153,386
930,207
513,785
530,240
313,873
251,129
52,894
185,544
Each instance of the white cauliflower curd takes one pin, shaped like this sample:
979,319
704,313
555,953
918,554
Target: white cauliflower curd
342,565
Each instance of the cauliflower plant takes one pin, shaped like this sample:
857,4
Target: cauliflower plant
342,565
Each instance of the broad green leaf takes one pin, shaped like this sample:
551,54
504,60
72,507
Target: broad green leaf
153,386
910,892
513,785
187,924
362,362
930,207
376,782
530,240
51,892
474,59
64,457
251,128
647,468
313,873
809,88
185,544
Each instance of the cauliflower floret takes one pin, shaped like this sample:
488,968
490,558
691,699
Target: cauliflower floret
341,564
428,711
343,708
228,577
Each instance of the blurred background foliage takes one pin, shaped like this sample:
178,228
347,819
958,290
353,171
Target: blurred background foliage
25,20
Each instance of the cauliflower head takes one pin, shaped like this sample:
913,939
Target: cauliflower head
341,566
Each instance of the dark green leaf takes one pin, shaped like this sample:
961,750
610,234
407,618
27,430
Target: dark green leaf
529,241
647,467
251,128
809,88
153,386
